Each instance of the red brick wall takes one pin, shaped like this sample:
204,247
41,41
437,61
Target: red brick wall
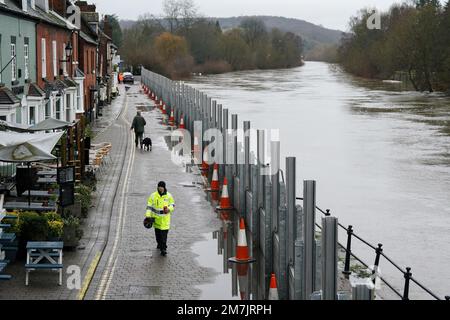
61,36
88,65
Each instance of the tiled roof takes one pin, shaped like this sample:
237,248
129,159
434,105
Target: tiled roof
79,73
33,90
70,83
87,38
34,14
7,97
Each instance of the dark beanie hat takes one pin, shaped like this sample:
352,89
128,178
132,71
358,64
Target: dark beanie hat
162,184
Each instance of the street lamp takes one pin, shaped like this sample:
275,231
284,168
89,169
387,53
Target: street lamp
69,50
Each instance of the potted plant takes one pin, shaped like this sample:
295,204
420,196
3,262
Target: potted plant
72,232
33,227
84,195
55,226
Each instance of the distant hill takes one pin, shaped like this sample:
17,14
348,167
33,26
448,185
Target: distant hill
314,36
311,33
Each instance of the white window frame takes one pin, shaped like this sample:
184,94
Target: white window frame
55,59
44,58
26,57
13,62
34,108
59,103
64,58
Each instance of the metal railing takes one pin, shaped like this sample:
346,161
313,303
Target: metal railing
378,254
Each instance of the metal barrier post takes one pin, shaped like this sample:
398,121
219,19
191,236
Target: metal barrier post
329,258
291,206
309,227
362,292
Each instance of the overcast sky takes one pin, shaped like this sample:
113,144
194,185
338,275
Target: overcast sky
333,14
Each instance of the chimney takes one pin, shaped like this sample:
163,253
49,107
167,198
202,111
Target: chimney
85,7
59,6
107,28
43,4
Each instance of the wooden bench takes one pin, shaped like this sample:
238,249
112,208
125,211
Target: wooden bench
44,256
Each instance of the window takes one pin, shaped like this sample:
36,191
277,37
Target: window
47,109
44,59
55,62
64,58
3,118
26,55
68,106
58,109
13,62
1,63
32,120
92,62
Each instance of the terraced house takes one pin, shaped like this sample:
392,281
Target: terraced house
49,62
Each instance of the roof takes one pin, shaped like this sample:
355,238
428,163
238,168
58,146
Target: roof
87,38
79,73
7,97
50,124
70,83
36,14
33,90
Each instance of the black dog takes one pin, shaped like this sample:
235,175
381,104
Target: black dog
147,143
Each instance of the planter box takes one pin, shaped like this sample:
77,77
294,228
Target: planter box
75,210
70,237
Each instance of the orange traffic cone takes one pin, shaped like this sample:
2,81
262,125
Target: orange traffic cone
242,255
172,118
164,109
205,165
225,203
182,126
273,291
215,187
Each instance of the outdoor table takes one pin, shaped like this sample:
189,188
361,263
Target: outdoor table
46,180
38,194
33,206
47,173
44,256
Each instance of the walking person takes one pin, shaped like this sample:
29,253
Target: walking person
138,125
160,206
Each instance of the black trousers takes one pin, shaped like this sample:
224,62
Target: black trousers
139,136
161,238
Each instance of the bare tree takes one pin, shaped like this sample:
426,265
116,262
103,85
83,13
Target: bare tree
180,14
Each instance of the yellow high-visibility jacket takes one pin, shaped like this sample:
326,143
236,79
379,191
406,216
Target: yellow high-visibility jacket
155,207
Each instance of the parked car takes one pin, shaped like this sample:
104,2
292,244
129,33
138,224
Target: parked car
128,77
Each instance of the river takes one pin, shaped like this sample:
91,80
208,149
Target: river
380,155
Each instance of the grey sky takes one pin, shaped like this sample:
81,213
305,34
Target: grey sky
332,14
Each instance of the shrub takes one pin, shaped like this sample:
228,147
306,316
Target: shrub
55,229
32,227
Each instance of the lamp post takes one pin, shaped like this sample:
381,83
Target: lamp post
69,55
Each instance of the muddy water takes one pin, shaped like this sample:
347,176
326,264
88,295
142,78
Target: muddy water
380,155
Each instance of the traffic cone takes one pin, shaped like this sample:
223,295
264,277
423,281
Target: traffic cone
215,187
205,165
242,255
273,291
172,118
225,203
164,109
182,126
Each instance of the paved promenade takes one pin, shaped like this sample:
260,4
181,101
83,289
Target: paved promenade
117,255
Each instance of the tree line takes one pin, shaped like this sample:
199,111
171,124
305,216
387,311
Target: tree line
183,43
414,40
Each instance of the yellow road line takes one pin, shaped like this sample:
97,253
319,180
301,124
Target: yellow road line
89,276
